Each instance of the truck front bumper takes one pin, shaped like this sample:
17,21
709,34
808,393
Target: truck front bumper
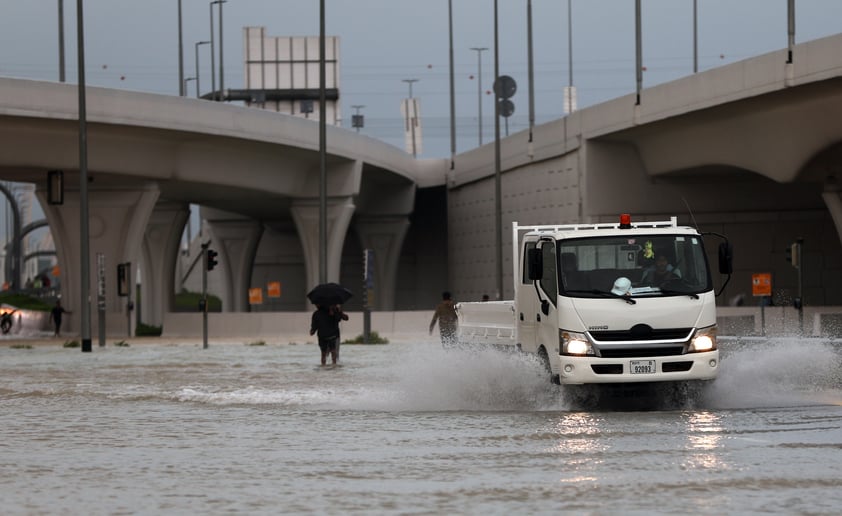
588,369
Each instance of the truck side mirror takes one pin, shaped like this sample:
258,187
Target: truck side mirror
726,258
534,264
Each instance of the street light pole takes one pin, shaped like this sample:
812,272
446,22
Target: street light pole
570,50
322,148
182,88
213,58
410,81
221,53
197,65
498,212
531,73
638,31
84,234
695,36
60,40
452,89
187,80
790,16
479,51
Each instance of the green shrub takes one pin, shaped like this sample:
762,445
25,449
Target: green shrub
25,302
121,344
257,343
373,338
71,344
189,302
21,346
147,330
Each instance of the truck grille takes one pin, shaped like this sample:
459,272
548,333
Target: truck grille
641,352
642,332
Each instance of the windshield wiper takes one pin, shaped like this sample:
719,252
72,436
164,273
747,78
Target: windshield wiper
679,292
603,293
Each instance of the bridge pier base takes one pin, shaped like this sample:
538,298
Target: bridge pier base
117,222
161,247
305,213
385,235
235,238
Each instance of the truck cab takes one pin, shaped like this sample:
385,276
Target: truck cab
617,303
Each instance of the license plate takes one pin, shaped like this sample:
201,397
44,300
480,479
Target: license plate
642,367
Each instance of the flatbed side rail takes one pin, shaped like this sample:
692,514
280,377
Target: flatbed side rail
490,322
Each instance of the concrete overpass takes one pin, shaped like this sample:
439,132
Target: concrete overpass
149,156
752,149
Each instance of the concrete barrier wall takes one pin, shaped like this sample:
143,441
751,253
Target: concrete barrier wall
293,326
824,321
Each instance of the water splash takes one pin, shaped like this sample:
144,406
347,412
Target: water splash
429,378
781,372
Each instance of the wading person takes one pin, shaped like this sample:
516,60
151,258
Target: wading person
55,316
445,314
325,323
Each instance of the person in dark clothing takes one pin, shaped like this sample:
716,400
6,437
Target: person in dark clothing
445,314
325,322
55,316
6,321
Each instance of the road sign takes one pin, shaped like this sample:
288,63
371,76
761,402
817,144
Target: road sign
273,289
761,284
256,296
505,87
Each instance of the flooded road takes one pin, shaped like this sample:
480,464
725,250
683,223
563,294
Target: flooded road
406,428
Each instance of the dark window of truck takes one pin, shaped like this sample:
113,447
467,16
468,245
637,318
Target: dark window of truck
549,283
601,261
524,266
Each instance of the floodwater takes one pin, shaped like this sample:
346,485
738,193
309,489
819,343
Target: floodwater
406,428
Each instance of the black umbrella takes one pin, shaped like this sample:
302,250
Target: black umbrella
329,294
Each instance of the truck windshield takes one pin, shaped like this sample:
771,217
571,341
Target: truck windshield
636,266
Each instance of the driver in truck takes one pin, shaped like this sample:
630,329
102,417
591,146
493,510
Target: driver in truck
660,272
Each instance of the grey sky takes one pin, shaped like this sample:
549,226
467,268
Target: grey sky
133,45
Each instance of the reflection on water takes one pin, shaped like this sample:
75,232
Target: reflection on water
405,428
704,435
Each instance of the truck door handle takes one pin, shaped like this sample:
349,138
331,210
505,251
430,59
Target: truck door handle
521,316
538,317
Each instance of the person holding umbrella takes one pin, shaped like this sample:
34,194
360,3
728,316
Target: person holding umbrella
328,298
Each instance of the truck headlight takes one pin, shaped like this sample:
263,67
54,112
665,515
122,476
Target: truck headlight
703,340
573,343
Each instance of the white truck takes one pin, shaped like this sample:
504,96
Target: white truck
614,303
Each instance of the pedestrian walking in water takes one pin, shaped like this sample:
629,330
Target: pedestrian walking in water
325,323
445,315
55,316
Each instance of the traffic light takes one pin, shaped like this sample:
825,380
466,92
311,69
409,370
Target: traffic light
122,279
212,259
793,254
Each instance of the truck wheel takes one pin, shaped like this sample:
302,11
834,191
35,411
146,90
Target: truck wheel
545,360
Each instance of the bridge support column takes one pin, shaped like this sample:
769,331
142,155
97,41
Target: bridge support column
833,199
161,245
305,213
385,235
235,238
117,221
